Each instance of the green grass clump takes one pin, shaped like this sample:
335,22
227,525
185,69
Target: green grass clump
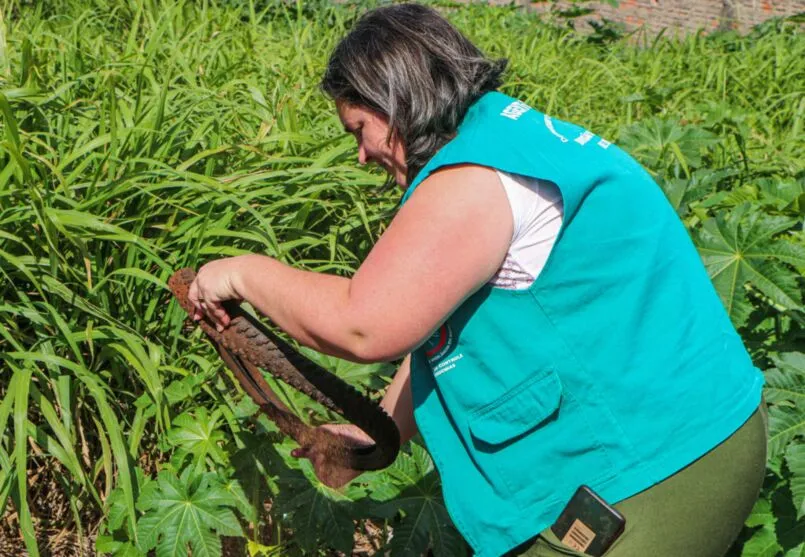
142,136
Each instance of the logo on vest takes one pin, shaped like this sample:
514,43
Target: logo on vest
438,347
515,110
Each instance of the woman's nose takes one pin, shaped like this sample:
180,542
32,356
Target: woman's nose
361,154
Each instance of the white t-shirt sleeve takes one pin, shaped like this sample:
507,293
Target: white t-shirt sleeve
537,212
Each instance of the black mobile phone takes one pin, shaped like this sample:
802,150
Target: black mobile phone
588,524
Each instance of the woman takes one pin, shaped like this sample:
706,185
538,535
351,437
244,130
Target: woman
555,321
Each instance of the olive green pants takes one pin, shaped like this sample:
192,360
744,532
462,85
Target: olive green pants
697,512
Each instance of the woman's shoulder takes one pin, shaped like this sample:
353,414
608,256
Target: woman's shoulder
459,177
458,188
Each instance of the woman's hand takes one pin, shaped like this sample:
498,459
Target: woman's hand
216,282
328,473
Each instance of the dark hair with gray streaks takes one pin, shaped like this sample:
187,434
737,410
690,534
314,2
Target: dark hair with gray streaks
410,64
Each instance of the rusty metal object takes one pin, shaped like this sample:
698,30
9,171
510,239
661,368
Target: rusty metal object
247,345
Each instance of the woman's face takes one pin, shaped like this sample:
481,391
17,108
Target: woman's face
371,129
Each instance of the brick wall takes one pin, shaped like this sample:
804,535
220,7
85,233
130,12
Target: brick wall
690,15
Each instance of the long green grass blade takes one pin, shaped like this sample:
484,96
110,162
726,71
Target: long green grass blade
21,455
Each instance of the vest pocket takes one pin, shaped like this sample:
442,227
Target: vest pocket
517,411
534,442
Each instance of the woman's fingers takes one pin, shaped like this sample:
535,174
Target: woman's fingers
210,307
193,297
216,312
220,315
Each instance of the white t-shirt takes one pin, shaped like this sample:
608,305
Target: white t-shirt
537,210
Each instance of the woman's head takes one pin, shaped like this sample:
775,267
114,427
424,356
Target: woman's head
375,141
409,67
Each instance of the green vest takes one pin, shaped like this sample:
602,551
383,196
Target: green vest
616,368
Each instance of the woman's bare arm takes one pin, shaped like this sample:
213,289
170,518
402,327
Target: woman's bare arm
445,243
399,403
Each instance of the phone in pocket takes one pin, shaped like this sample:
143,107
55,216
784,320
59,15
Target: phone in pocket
588,524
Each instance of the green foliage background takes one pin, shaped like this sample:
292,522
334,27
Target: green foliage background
140,136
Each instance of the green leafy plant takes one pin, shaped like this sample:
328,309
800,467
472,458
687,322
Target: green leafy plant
188,511
778,514
667,146
197,434
418,512
746,248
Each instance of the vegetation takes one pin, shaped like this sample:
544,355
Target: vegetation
141,136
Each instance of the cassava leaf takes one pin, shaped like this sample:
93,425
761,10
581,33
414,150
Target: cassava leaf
798,551
741,247
191,510
357,374
795,458
790,361
789,529
763,543
318,514
424,523
662,143
780,194
254,466
197,433
238,496
761,514
702,184
116,503
109,545
785,383
785,424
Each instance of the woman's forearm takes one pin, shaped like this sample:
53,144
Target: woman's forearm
398,401
311,307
